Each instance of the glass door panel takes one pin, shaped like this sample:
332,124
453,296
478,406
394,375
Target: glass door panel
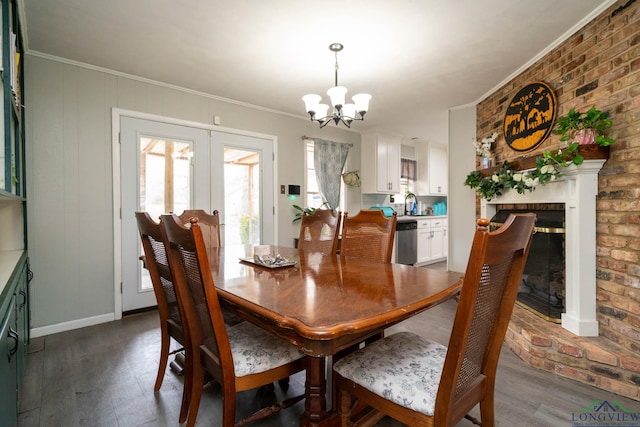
165,182
242,197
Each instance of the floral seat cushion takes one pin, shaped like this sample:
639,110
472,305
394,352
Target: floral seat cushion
404,368
255,350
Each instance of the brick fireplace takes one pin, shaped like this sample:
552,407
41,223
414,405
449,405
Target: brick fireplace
597,65
572,348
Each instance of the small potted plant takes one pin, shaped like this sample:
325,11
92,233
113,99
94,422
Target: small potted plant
584,128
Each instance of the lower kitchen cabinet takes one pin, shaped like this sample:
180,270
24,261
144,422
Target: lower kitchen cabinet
14,337
9,367
432,241
424,240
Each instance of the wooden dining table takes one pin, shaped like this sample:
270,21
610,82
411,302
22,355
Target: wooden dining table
325,304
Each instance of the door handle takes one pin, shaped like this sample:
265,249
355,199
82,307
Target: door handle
14,336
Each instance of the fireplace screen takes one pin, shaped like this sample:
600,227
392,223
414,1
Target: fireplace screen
542,289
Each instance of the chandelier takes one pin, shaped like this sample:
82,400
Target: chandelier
345,113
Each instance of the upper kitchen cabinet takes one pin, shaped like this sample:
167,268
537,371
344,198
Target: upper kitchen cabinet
380,164
433,172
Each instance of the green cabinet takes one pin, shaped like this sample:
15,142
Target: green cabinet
8,367
12,155
14,339
14,270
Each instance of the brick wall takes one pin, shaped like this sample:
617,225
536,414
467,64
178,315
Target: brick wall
599,65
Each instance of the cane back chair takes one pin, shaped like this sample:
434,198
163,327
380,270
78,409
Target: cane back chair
239,357
368,234
423,383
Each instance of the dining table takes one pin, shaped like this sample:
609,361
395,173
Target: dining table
324,304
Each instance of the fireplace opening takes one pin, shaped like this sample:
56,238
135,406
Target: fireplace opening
542,288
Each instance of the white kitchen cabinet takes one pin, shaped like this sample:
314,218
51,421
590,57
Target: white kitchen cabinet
445,237
433,242
433,171
380,164
424,240
437,240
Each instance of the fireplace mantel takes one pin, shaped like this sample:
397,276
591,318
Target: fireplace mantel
577,189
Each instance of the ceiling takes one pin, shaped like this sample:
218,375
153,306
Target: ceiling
417,58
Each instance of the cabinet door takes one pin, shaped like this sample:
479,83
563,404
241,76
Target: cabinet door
380,164
438,170
437,243
424,241
22,325
388,165
382,159
393,166
445,241
8,367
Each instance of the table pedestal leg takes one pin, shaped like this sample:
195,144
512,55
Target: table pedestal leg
315,404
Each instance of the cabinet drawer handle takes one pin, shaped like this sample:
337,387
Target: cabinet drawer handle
14,336
29,275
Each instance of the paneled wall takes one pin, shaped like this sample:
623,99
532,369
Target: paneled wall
70,182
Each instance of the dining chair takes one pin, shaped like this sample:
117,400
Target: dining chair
156,262
420,382
319,231
209,224
239,357
369,234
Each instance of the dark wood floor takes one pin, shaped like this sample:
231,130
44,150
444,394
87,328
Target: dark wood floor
103,376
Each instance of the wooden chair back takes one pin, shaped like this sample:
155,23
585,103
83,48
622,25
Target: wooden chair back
369,234
209,225
488,294
489,290
202,316
157,264
207,339
319,231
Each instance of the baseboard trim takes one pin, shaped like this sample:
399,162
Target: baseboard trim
71,325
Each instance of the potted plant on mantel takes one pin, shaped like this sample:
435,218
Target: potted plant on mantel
584,128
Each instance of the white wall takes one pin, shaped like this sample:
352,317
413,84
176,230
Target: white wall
69,177
462,199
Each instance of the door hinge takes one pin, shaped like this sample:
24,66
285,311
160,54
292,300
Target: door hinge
120,288
119,138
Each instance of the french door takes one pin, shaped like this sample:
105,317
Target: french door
169,168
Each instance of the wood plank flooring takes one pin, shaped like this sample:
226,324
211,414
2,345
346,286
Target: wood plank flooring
104,375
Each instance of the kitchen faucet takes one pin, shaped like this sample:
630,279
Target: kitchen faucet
407,196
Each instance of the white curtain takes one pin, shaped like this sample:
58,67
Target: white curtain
329,158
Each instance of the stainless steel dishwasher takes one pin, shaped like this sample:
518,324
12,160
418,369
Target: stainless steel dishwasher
407,242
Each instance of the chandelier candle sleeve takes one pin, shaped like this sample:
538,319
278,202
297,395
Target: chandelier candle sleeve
342,112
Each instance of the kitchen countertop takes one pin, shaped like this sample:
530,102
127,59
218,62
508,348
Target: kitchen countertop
416,217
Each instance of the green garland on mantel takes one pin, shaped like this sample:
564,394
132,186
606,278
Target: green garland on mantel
547,169
548,166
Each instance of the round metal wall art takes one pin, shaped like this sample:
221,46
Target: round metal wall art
530,116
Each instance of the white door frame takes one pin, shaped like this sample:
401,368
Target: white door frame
116,114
